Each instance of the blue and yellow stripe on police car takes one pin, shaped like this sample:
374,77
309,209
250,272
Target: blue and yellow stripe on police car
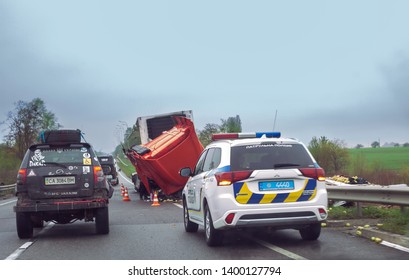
243,194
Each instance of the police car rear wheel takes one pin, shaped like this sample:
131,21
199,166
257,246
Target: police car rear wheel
312,232
189,226
214,237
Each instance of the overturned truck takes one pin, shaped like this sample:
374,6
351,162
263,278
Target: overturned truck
158,162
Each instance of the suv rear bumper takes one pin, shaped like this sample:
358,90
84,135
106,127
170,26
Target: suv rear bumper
61,205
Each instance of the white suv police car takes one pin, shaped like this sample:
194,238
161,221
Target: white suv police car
253,180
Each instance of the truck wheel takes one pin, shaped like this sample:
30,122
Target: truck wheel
214,237
312,232
189,226
24,225
102,220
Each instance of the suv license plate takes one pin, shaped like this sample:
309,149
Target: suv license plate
276,185
67,180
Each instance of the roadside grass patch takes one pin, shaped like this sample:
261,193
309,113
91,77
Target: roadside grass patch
392,219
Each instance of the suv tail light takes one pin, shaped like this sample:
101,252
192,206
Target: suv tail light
228,178
98,174
315,173
21,176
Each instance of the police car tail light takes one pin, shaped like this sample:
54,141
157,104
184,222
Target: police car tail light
228,178
243,135
21,176
323,213
315,173
229,219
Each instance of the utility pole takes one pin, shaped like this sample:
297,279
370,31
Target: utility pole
275,118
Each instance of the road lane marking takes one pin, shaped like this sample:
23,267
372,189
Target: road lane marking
277,249
126,178
395,246
26,245
19,251
270,246
5,203
178,205
122,161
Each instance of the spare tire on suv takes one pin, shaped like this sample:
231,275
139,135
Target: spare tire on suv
108,166
61,180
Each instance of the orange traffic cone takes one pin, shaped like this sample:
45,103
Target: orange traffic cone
126,196
155,200
122,190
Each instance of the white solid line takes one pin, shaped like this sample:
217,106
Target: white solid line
8,202
126,178
178,205
277,249
395,246
122,161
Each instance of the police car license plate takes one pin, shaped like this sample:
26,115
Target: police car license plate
66,180
276,185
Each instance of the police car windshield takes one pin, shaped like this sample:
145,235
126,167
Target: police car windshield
269,156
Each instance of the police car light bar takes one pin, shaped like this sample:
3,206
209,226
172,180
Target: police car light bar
242,135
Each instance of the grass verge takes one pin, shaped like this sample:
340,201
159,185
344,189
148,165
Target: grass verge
393,219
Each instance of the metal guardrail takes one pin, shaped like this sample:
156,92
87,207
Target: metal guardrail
392,195
6,189
387,195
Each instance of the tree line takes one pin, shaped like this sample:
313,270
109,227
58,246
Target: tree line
28,119
24,124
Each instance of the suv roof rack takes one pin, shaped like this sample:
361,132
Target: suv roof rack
62,136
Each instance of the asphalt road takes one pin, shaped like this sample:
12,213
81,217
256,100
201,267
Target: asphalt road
139,231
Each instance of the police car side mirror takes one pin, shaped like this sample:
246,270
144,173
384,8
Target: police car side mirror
185,172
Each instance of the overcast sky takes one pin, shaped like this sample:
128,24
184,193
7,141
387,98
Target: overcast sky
338,69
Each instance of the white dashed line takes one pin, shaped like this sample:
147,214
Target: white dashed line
26,245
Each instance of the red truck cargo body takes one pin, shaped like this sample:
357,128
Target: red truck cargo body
161,159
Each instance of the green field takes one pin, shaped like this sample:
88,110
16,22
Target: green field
393,158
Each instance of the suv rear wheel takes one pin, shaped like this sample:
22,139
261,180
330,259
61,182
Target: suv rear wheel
102,220
214,237
24,225
37,222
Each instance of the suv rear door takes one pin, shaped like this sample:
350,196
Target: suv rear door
59,171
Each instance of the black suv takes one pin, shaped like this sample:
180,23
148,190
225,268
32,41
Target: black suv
61,180
108,166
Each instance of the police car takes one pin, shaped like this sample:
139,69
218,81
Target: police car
254,180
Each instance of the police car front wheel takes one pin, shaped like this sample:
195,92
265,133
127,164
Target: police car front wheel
189,226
